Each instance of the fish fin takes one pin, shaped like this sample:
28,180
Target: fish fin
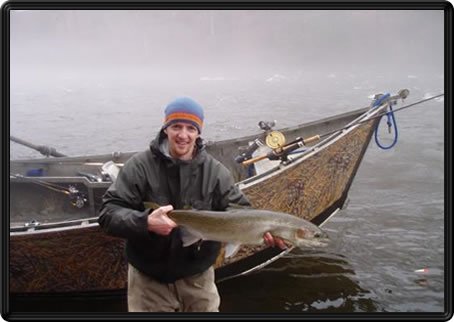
231,249
189,236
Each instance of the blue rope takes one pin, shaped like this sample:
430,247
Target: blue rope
391,121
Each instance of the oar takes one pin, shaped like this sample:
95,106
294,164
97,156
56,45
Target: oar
44,150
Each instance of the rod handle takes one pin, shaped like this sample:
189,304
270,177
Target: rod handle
311,139
256,159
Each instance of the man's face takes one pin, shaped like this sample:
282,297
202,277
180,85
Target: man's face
182,137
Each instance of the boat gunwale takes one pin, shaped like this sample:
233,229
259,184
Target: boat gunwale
54,226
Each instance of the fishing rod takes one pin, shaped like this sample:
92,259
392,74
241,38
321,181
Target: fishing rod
77,198
299,142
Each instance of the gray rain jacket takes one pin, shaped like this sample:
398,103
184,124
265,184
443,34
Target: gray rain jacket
151,175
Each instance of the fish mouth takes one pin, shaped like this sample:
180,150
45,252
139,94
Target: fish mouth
321,242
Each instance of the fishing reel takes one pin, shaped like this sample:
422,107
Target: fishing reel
273,139
76,198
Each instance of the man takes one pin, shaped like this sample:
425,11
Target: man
175,172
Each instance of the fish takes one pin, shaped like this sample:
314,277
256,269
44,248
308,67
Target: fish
244,226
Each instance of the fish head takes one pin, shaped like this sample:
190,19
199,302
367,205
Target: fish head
311,237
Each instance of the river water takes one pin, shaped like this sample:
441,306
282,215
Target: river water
392,226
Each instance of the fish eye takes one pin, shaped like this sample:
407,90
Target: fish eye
317,235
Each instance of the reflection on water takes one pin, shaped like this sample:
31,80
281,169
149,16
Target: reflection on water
302,281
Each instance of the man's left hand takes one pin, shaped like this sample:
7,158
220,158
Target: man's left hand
273,241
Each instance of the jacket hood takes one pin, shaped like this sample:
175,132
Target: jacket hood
159,148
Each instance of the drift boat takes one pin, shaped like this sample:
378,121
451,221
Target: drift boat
57,248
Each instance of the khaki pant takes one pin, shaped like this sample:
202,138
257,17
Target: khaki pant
196,293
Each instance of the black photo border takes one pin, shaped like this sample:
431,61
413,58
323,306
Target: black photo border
447,7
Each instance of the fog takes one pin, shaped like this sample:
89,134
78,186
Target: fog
77,75
170,45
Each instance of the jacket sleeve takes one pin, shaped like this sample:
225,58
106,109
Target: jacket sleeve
122,213
227,192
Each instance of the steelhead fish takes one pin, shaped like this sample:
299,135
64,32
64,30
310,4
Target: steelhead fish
244,226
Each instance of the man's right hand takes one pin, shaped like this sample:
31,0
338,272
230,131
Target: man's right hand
159,222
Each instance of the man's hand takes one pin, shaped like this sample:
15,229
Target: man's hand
272,241
159,222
